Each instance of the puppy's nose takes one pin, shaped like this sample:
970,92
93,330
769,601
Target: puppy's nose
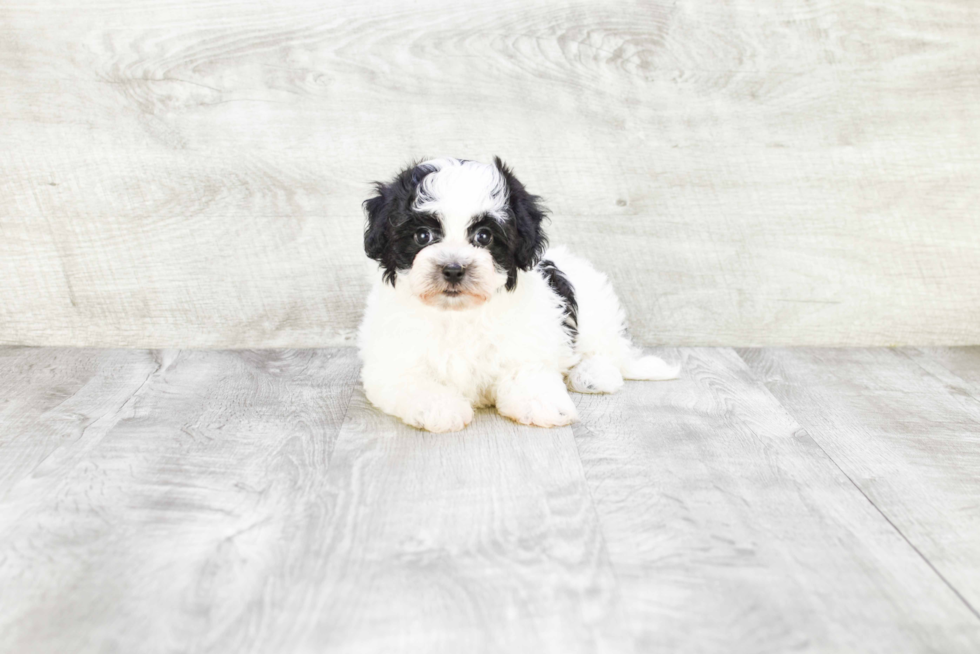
453,273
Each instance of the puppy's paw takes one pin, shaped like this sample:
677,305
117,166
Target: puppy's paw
595,375
442,413
650,368
547,407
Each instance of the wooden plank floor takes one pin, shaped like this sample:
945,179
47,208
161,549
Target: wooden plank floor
253,501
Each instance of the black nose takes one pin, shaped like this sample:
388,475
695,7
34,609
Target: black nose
453,273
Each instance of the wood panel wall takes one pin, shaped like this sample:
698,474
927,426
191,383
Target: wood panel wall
749,172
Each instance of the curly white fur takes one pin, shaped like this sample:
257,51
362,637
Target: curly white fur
434,347
430,367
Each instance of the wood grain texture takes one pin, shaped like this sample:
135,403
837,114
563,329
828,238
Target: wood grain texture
908,437
218,506
164,502
253,501
190,173
57,403
481,541
731,530
957,367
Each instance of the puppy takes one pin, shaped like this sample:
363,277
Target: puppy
470,309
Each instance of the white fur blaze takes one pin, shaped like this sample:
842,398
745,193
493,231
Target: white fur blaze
596,374
650,368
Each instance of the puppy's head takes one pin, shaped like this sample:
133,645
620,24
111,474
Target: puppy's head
455,231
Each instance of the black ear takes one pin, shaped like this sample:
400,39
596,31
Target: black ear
376,232
388,209
528,215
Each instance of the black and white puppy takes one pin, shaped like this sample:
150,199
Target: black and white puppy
471,310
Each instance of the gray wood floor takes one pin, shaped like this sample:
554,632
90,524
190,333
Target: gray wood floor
252,501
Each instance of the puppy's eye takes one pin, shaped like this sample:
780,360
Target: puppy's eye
423,236
483,237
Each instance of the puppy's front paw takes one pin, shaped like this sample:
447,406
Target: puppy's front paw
549,406
442,413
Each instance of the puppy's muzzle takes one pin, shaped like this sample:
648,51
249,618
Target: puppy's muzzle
453,273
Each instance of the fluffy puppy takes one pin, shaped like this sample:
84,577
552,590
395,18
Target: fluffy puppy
470,310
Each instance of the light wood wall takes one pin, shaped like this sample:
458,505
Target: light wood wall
749,172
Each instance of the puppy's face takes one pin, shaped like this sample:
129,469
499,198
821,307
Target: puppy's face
455,231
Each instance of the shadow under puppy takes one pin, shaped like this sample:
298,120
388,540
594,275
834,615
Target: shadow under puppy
470,310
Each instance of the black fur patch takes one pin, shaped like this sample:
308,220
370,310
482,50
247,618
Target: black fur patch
503,246
528,213
389,237
559,284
